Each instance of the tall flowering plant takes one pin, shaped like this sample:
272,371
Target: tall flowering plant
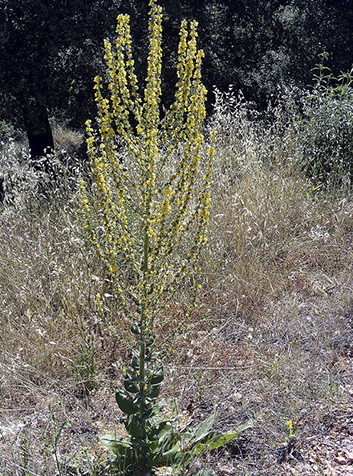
149,216
146,199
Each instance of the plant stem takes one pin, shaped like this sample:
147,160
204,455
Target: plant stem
142,385
143,333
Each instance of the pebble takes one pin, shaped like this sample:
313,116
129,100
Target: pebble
340,460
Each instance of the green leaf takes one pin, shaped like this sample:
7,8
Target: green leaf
202,430
134,427
174,456
149,340
120,448
131,385
217,440
152,356
158,431
135,329
125,402
135,363
157,376
148,413
156,408
154,391
205,472
166,450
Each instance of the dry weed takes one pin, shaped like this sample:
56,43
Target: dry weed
270,338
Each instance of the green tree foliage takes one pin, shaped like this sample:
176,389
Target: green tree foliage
259,46
45,62
50,51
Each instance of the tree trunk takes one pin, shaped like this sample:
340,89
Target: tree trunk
39,133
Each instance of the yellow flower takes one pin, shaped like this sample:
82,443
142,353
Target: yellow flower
152,199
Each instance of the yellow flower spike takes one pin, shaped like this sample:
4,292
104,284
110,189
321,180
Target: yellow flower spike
150,196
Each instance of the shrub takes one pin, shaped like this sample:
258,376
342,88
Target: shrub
7,131
327,130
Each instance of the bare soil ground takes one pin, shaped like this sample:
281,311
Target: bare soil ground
46,427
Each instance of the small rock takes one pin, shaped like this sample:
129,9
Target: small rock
348,444
340,460
225,470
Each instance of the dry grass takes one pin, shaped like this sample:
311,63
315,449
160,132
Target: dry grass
271,337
